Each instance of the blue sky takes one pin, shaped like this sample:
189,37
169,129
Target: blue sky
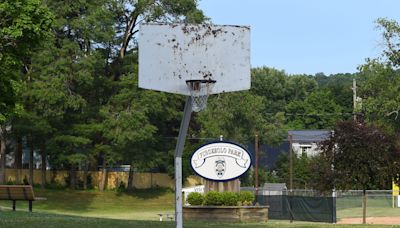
307,36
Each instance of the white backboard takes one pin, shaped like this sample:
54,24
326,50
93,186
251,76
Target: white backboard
170,54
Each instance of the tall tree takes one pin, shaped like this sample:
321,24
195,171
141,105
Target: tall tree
239,116
317,111
380,79
360,156
24,26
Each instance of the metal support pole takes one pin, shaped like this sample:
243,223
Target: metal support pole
178,161
256,165
290,163
290,176
354,88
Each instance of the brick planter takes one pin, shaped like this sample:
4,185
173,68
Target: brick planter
226,213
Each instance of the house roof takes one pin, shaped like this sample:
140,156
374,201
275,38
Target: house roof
309,136
274,186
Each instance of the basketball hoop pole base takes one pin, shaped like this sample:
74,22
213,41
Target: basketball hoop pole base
178,161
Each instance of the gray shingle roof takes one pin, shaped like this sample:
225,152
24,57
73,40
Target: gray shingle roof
309,135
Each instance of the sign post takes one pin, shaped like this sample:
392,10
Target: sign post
178,161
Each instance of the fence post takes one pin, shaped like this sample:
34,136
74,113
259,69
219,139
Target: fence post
334,206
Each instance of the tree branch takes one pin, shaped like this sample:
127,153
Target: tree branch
393,112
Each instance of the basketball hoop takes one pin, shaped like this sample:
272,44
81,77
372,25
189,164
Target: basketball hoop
199,91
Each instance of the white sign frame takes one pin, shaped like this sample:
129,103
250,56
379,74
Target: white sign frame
221,161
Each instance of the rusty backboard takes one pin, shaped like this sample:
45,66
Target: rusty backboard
170,54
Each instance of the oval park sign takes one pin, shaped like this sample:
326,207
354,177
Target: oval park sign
220,161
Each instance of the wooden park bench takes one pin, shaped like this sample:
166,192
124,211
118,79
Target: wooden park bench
18,192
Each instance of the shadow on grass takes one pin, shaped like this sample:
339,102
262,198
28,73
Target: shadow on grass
64,200
39,219
93,202
146,193
36,220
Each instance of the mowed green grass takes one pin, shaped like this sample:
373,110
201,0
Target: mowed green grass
350,207
74,208
139,205
41,219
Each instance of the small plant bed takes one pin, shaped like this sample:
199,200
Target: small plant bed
224,207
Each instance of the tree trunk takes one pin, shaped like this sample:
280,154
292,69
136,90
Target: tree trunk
130,178
31,150
2,159
85,175
72,177
364,206
104,174
43,153
18,160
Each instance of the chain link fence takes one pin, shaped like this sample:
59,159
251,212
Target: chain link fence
311,205
380,203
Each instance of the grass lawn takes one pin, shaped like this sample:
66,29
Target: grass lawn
41,219
140,205
75,208
376,207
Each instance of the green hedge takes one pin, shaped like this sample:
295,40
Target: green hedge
214,198
195,198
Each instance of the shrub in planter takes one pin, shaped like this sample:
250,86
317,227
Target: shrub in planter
246,198
230,199
195,198
213,198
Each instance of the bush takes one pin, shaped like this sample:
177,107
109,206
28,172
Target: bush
213,198
246,198
120,187
230,199
195,198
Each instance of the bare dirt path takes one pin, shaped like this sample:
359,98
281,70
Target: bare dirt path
372,220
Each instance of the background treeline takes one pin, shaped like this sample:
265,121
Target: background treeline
69,89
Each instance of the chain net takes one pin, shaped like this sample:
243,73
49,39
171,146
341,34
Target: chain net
199,91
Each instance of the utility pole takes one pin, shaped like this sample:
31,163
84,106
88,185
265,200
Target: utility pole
256,171
290,176
290,163
354,88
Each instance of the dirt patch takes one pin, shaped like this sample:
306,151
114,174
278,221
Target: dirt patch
372,220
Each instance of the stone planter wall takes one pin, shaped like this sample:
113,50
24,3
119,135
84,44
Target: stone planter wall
226,213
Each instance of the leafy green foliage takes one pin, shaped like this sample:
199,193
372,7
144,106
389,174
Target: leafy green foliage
230,198
381,79
213,198
239,116
246,197
361,156
264,176
195,198
391,38
301,165
24,25
319,111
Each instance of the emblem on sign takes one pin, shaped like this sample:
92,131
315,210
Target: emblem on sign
220,167
220,161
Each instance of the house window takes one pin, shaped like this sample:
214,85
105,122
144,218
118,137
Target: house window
305,149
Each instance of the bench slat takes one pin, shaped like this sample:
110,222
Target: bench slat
16,192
